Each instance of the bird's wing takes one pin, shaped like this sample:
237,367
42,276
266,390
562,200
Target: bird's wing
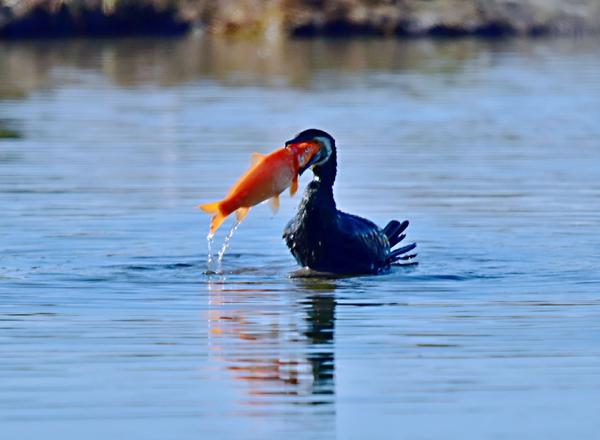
361,238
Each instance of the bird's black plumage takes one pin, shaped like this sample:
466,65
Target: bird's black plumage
325,239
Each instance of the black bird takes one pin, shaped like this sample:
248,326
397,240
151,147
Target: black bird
325,239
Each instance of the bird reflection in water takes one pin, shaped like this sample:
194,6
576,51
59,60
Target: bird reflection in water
282,349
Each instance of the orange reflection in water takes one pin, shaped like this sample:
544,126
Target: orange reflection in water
284,351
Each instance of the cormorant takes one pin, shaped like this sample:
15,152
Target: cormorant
324,239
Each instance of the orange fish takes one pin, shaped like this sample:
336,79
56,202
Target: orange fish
267,177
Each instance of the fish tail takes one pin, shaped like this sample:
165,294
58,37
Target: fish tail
215,222
218,216
210,208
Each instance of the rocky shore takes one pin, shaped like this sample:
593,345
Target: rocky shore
63,18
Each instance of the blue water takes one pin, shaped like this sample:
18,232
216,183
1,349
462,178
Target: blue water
110,326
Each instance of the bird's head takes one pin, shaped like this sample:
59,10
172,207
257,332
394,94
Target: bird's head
325,154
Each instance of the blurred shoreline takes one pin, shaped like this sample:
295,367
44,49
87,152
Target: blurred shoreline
305,18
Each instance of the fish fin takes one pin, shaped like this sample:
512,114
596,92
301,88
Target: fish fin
294,186
240,213
255,158
274,202
217,218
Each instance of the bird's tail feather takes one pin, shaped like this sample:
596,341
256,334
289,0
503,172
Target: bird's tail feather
394,232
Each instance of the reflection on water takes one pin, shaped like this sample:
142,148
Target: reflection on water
111,327
296,358
33,65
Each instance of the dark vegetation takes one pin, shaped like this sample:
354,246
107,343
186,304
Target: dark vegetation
84,18
6,132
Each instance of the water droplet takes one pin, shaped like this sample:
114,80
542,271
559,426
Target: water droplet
210,238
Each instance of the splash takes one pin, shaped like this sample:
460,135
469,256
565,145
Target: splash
210,261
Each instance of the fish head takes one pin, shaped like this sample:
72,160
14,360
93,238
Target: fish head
305,152
318,147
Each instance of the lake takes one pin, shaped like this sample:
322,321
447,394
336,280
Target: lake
112,327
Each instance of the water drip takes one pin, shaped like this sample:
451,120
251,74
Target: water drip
226,243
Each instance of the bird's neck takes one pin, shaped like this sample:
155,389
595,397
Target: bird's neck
318,202
318,199
325,173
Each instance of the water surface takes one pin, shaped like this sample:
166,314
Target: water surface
110,327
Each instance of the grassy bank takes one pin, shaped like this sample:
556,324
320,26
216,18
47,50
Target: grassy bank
60,18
